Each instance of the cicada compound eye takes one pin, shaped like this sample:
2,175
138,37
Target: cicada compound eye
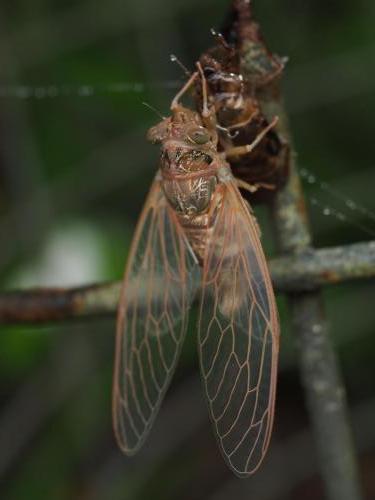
198,135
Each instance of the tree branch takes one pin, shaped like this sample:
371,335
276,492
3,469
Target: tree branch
295,273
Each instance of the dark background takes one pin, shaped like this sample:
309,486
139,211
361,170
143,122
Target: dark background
74,171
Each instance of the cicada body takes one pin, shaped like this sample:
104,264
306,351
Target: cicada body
237,99
196,233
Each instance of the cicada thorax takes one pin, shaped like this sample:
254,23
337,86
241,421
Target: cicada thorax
189,164
188,183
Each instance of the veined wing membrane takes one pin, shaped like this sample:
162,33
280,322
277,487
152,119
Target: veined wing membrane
159,285
238,336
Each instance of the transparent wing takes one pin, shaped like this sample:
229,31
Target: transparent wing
238,336
158,289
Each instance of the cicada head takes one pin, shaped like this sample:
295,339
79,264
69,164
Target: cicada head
183,120
199,135
160,132
186,129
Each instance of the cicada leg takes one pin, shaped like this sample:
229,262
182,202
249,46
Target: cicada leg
244,122
175,59
252,188
208,115
242,150
220,38
176,100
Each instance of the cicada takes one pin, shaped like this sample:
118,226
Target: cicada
239,100
197,234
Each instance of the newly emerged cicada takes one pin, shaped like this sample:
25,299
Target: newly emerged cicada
196,233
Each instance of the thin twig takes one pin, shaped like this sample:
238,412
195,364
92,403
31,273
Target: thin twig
295,273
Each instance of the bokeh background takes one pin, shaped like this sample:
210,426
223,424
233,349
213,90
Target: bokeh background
74,171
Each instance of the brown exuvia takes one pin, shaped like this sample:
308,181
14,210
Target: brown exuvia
240,72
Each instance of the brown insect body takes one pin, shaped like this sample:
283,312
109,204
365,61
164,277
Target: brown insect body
189,166
237,101
261,66
195,231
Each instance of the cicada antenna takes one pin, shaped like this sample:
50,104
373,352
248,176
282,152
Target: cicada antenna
153,109
175,59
